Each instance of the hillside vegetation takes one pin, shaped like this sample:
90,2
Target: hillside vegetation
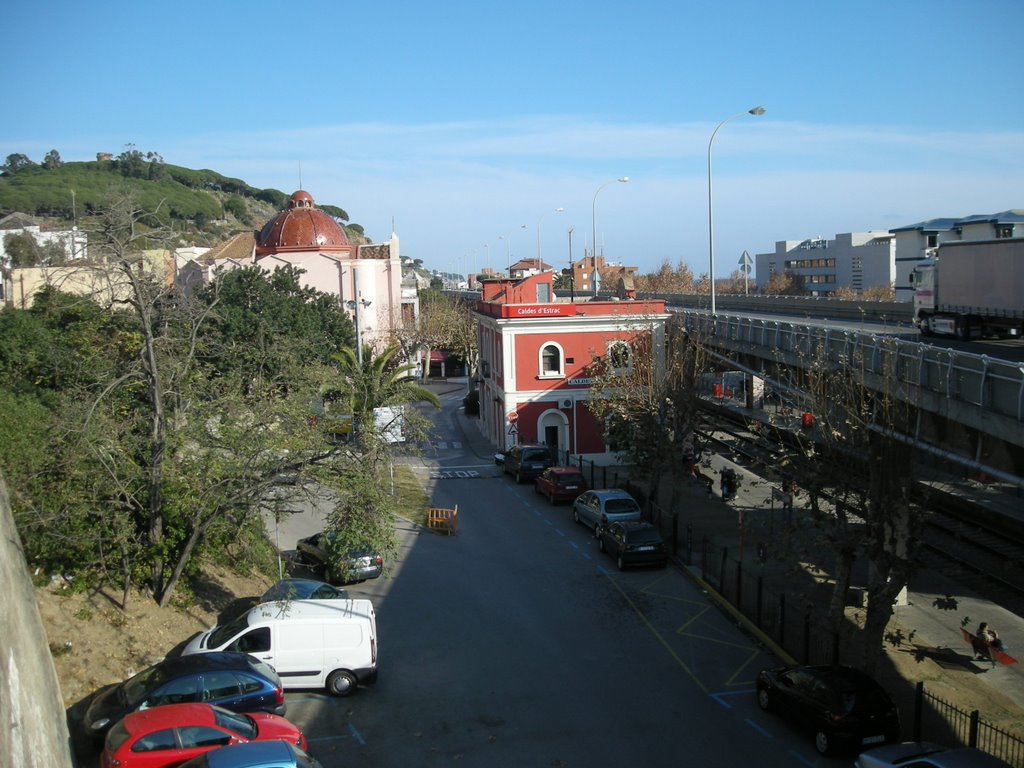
203,205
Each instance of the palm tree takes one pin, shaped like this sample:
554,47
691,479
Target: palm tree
375,382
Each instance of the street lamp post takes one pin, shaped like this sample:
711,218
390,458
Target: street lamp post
508,251
572,276
593,216
539,220
711,226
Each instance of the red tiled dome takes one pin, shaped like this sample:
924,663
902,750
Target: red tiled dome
301,227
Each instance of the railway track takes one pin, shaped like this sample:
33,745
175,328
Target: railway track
959,539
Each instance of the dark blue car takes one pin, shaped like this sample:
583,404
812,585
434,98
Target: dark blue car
235,681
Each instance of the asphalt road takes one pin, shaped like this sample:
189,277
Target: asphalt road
517,643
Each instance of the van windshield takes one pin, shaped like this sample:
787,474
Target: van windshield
225,632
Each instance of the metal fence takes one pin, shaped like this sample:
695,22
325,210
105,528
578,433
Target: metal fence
938,720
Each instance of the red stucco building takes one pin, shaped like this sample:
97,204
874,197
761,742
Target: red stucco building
535,350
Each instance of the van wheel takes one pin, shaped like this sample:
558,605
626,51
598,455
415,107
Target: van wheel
341,682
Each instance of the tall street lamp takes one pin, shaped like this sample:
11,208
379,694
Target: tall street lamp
711,227
508,250
593,215
557,210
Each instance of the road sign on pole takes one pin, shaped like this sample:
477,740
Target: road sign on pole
745,266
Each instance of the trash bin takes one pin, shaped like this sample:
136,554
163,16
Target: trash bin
807,420
716,390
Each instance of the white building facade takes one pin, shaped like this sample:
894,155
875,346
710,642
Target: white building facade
855,260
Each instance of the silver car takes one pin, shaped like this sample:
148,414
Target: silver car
924,754
597,509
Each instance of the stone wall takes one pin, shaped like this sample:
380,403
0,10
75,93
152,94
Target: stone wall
33,724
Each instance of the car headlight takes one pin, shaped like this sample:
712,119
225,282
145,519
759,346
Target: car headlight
99,725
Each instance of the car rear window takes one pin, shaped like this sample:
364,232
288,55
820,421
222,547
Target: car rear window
116,736
613,506
536,454
265,669
644,536
570,479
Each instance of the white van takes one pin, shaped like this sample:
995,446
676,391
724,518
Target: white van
328,644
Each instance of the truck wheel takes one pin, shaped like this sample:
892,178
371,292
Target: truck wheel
341,682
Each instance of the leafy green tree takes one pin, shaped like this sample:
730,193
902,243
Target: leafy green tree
265,321
367,382
23,250
15,163
235,205
52,160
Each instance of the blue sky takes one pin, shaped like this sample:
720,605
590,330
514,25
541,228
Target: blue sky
462,121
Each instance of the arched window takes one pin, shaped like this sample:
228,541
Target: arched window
619,357
551,359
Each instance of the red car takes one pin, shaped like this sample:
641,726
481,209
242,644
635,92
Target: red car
560,483
171,734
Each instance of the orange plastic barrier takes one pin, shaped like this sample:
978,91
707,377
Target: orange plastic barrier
441,519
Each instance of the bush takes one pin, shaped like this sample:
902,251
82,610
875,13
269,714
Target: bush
471,403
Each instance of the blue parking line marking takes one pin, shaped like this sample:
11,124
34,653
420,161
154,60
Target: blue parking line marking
301,699
560,532
758,728
354,734
721,696
802,759
601,570
573,544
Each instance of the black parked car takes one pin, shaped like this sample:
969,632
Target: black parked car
235,681
526,461
631,542
842,706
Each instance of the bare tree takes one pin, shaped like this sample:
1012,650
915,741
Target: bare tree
857,475
648,397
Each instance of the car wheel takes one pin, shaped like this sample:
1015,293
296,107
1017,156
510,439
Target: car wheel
822,743
576,516
551,498
600,543
341,682
519,477
620,564
764,699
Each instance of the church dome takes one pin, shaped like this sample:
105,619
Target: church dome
301,227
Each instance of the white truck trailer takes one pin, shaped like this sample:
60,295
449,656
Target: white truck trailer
972,290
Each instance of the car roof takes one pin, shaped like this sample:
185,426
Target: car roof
168,716
310,609
286,587
912,751
612,493
252,754
200,662
840,675
634,525
564,470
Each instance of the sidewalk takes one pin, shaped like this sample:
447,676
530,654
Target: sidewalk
936,606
